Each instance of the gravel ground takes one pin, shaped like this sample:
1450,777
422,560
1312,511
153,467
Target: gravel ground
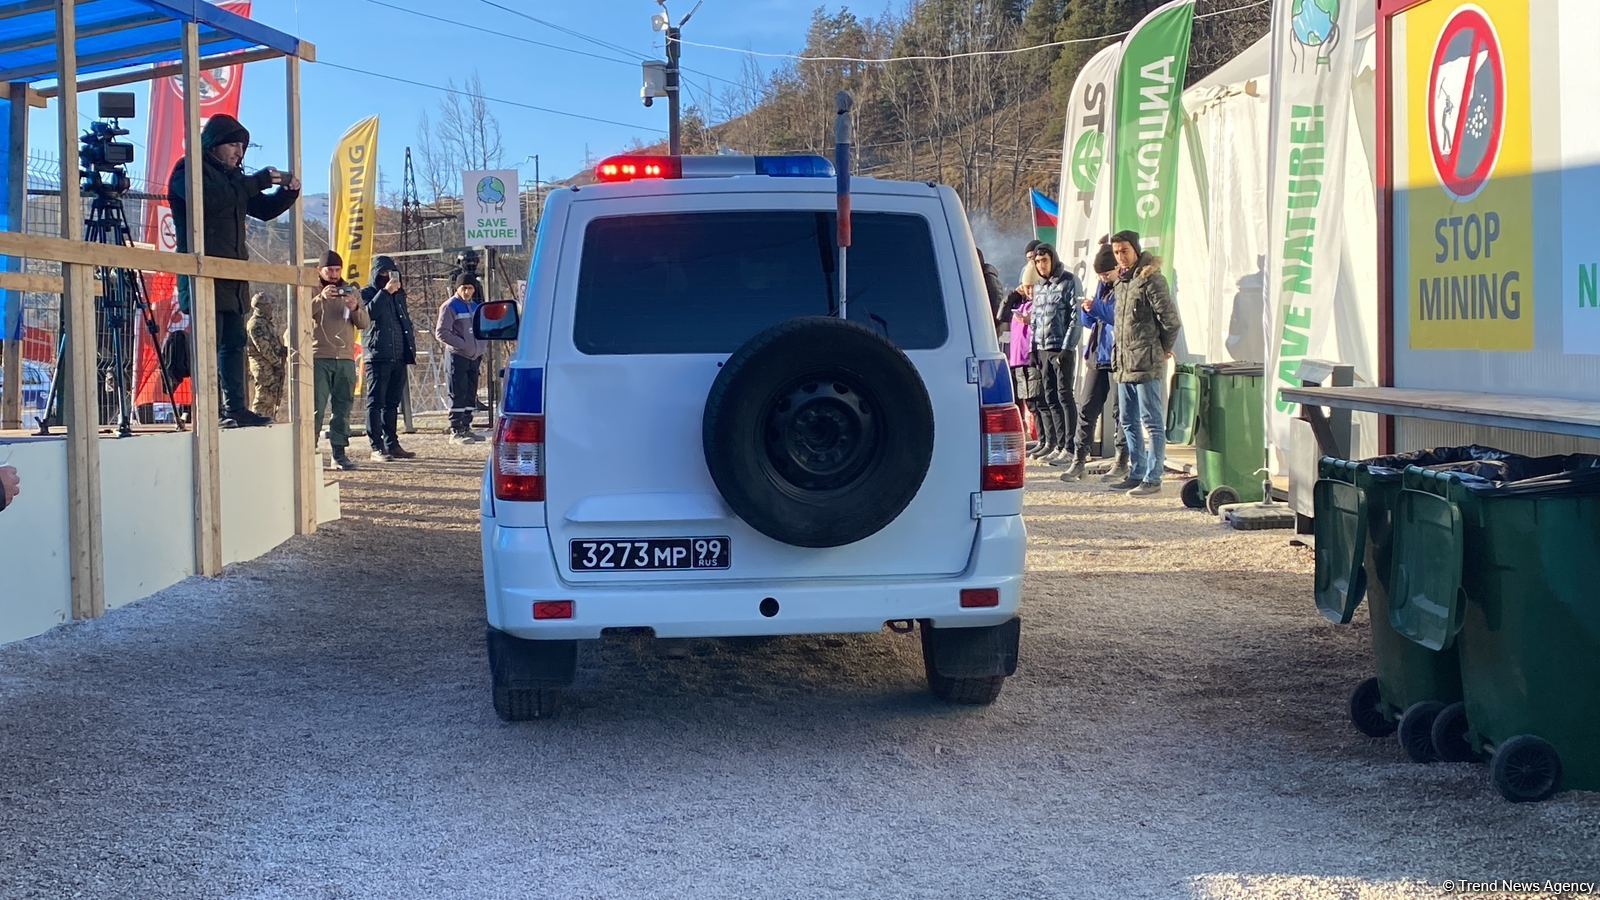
1177,729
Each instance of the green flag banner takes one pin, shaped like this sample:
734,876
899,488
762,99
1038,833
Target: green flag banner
1149,112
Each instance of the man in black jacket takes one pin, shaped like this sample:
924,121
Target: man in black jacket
1056,331
229,196
389,346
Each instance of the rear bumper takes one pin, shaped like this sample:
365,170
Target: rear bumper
518,570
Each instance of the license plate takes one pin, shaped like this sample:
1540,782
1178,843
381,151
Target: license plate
650,554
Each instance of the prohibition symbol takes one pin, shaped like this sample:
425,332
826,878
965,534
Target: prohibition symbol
1466,103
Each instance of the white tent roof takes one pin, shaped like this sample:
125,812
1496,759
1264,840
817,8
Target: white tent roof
1254,62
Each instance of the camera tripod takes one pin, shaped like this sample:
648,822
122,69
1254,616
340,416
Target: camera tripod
122,296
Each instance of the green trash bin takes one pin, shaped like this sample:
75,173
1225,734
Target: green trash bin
1354,505
1229,435
1510,573
1183,403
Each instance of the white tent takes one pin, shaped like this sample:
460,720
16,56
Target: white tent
1220,251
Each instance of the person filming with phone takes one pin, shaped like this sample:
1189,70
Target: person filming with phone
229,195
336,314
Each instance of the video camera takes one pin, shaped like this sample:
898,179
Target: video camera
102,154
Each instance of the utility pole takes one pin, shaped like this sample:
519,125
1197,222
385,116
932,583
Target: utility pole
662,22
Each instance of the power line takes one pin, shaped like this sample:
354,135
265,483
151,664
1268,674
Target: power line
638,57
968,55
460,92
565,30
514,37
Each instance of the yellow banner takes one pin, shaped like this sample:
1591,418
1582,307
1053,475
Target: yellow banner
353,206
1470,166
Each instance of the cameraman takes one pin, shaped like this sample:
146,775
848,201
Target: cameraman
229,196
336,313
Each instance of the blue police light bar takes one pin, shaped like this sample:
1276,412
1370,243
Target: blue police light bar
644,167
794,166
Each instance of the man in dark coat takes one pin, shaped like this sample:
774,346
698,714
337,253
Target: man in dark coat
229,196
1147,326
389,347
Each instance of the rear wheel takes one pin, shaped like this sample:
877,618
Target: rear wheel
526,677
1367,712
974,691
1526,769
1191,495
1450,735
1416,730
1219,497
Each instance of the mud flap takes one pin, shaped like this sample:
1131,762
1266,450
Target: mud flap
516,663
975,652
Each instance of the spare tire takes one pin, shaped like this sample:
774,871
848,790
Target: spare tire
818,432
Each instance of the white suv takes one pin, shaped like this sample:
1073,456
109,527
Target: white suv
695,444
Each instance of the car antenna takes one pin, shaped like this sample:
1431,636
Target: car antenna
841,164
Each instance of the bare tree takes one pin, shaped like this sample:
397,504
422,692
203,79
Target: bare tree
466,136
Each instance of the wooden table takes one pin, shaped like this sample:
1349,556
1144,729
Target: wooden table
1547,415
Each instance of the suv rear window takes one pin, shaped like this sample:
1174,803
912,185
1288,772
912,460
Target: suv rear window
707,282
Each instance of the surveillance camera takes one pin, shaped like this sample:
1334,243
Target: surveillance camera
648,101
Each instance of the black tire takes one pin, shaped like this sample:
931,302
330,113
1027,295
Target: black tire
1450,735
526,704
1366,710
1191,495
962,691
818,432
1416,730
1526,769
1220,496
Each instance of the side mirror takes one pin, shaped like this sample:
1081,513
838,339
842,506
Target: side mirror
497,320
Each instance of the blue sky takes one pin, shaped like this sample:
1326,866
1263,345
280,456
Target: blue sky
362,35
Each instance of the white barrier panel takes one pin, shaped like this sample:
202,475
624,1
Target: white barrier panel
35,581
147,514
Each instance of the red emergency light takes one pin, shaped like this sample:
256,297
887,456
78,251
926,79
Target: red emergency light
633,168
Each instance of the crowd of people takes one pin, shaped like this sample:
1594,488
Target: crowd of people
340,309
1132,325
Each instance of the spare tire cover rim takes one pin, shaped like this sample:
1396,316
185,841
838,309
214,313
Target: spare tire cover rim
821,434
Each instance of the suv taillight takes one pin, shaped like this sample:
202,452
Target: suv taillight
519,458
1003,447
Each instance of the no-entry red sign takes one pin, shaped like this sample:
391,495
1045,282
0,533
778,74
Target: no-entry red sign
1466,102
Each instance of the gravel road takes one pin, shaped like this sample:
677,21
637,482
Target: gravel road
317,724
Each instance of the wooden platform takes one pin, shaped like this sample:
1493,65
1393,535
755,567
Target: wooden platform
1577,418
57,433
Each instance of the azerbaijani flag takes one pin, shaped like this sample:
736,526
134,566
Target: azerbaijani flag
1045,214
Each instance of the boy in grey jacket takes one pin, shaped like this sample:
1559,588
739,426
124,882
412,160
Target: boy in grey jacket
454,331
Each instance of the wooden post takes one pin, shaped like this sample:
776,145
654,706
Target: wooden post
302,368
17,202
203,316
87,562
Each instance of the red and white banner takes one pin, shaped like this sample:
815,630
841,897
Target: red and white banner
219,94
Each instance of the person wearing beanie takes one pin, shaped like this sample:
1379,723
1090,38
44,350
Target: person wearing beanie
1056,331
336,313
229,196
1098,315
453,329
1147,327
1030,275
389,347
